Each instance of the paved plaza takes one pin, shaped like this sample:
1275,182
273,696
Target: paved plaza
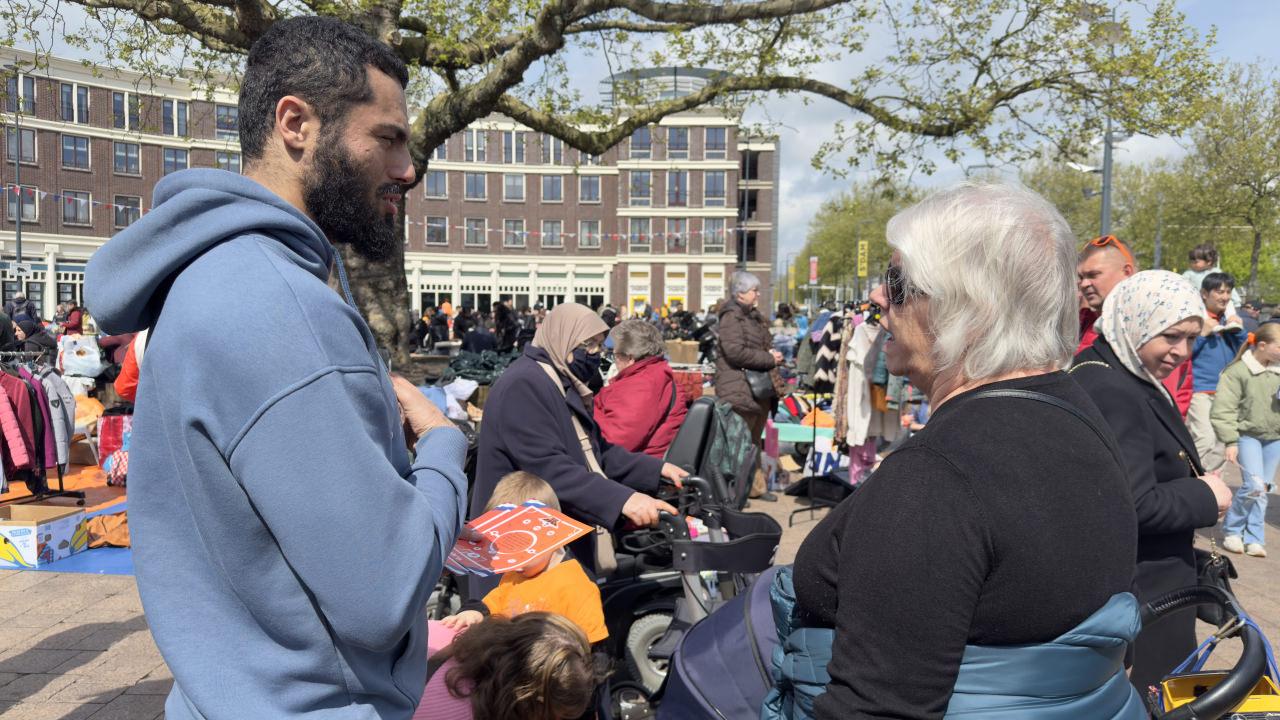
77,646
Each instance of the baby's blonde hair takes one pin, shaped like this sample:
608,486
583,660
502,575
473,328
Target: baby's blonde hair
514,488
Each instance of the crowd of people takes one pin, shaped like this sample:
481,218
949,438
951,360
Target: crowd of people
288,534
22,328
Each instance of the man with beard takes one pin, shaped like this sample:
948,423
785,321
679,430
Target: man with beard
285,538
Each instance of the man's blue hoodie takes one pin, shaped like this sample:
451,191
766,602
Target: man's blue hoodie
285,542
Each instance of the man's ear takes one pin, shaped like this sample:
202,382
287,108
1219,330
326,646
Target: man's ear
296,123
1129,270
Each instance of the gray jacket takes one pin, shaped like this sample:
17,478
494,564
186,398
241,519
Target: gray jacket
62,411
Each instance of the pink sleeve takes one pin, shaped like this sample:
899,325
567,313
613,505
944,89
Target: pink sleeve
12,432
437,703
438,637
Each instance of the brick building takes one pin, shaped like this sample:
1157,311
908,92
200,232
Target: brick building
502,211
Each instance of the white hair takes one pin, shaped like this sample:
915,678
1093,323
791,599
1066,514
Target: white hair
743,281
998,264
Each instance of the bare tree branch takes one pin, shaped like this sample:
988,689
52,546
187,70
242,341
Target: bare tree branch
207,22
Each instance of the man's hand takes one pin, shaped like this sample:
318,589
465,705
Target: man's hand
1232,454
675,474
643,510
421,414
777,357
1221,493
463,620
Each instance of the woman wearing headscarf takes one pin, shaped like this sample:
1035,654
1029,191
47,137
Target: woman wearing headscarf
1148,325
538,419
1003,538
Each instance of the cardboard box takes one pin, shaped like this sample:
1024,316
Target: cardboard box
36,535
682,352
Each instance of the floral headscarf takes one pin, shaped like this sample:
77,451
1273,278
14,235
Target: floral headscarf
1141,307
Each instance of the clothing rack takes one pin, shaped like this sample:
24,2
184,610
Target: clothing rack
816,501
7,356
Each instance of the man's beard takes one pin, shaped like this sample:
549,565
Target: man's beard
338,199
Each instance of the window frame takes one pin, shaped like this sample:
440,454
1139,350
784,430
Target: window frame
88,152
709,200
717,153
474,142
648,146
683,234
88,208
557,200
599,189
542,238
674,151
672,200
19,145
467,177
719,234
130,111
426,230
137,158
506,233
552,150
19,203
239,160
514,147
117,206
79,103
468,230
440,152
164,160
583,236
631,189
426,184
633,238
507,180
22,104
218,131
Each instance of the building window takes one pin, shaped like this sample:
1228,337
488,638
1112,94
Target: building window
475,183
589,188
27,139
227,122
677,235
477,232
175,117
174,160
29,206
592,160
552,233
713,235
641,183
589,234
678,143
717,143
75,152
678,188
20,91
641,144
639,235
441,152
552,150
125,108
436,184
128,210
69,292
473,145
513,147
229,161
437,230
513,233
73,101
513,188
713,188
127,158
751,165
553,188
75,208
748,251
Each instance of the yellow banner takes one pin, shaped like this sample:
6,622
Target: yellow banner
863,247
791,276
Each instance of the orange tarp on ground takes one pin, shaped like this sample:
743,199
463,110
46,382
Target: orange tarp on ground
88,478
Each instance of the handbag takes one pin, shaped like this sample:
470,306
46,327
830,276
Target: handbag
1214,570
761,384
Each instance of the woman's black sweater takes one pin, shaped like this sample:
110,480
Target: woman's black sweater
1005,521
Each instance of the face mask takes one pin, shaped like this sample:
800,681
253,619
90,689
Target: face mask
586,367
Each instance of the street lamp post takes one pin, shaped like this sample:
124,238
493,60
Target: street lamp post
1106,179
17,158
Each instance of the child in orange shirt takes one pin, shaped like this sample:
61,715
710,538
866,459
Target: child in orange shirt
553,585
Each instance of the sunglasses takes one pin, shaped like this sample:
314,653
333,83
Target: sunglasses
1113,241
896,286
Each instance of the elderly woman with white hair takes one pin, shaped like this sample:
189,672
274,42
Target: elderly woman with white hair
984,569
746,365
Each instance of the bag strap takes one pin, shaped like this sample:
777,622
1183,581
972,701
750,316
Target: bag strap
1061,405
593,464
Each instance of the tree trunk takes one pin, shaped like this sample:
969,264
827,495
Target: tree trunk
1253,261
381,293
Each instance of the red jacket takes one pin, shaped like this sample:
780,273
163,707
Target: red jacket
632,409
1179,382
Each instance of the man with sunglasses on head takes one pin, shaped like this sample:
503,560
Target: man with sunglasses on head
1104,262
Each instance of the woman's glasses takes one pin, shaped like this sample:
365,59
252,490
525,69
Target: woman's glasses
896,286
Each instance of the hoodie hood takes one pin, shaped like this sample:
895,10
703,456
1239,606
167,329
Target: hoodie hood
192,212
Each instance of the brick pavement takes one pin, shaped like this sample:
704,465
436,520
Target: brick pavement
77,646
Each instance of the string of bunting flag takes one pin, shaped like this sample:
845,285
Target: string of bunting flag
727,232
33,192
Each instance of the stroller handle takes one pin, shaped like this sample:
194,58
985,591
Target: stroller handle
1234,689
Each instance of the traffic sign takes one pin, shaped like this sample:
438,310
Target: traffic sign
862,258
21,269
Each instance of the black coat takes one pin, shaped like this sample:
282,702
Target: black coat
527,426
1170,500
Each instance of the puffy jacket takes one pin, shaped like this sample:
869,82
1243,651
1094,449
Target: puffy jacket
745,342
636,409
1079,674
1246,401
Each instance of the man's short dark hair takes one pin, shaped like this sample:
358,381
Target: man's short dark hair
1204,251
318,59
1218,280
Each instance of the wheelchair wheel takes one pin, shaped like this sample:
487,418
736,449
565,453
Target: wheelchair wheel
645,632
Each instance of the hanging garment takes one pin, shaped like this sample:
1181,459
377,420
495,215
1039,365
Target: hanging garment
62,411
49,447
827,360
861,353
19,396
840,407
16,452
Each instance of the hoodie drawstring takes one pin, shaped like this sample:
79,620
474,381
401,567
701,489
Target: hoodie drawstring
342,277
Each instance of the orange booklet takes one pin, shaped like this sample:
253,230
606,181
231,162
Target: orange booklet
511,537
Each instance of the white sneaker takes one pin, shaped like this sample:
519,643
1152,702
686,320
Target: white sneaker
1233,543
1255,550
